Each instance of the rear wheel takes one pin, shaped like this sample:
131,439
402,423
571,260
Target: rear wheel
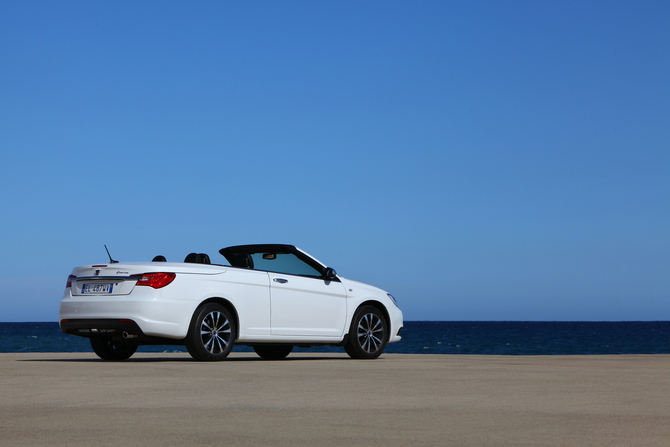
273,352
114,350
212,333
368,334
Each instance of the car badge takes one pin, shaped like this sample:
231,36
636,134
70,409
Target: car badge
97,272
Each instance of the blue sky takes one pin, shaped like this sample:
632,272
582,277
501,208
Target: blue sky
480,160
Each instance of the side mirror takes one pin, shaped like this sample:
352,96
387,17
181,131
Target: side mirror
330,274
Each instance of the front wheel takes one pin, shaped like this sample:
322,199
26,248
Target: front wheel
115,350
368,334
212,333
273,352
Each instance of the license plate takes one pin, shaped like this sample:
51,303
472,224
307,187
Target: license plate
96,288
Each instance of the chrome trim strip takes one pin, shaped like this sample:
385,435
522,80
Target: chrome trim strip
106,278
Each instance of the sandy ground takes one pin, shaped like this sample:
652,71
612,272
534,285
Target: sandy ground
74,399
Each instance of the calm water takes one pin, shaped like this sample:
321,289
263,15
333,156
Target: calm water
426,337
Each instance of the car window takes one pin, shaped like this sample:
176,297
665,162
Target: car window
283,263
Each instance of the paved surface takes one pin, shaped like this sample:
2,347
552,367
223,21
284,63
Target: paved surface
74,399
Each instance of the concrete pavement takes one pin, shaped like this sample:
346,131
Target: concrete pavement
153,399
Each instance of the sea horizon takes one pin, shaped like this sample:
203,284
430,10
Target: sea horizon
424,337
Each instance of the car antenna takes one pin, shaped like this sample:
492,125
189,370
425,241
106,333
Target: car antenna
111,261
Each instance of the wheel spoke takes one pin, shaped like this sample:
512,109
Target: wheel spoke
208,343
374,341
220,328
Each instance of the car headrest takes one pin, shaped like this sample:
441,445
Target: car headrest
244,260
193,258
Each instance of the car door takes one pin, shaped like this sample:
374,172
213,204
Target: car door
302,302
303,306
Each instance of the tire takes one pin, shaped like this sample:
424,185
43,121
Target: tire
211,335
113,350
273,352
368,334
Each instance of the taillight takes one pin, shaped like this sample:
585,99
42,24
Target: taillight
156,280
69,281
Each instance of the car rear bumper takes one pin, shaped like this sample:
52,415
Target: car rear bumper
100,327
149,315
114,329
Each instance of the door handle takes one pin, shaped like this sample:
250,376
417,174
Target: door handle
280,280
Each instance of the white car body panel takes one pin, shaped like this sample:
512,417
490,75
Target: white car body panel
301,310
307,307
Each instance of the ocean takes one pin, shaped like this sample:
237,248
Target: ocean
426,337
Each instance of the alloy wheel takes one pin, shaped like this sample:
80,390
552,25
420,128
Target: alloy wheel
215,332
370,332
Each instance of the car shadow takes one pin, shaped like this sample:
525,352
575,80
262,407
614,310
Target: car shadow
140,359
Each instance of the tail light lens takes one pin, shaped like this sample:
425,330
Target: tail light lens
156,280
69,281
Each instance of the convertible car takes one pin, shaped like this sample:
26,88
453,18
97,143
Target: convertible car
271,297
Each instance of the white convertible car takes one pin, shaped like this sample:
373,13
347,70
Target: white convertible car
271,297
